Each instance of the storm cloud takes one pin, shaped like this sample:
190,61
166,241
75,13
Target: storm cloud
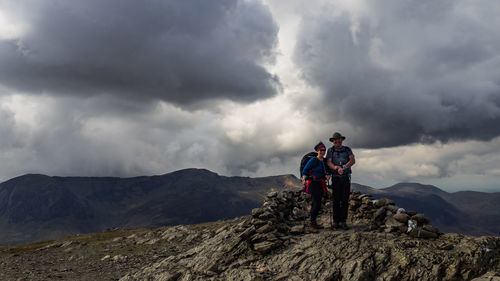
128,88
402,72
184,52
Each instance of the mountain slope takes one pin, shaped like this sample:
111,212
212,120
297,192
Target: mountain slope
35,207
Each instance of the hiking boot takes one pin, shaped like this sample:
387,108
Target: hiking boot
313,227
344,226
317,226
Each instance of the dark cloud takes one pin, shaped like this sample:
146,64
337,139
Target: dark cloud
406,71
183,52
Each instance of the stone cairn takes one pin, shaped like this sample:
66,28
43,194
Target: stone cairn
284,214
384,215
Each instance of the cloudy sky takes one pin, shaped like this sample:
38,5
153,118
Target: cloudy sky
246,87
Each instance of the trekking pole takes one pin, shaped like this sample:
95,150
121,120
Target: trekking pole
331,202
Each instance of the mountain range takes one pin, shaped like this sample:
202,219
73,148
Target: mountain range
36,207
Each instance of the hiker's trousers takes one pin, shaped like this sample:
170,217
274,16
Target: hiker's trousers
316,191
341,192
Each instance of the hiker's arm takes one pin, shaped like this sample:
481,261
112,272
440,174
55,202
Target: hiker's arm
351,162
306,169
330,164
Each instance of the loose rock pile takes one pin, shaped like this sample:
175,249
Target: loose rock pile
285,214
383,214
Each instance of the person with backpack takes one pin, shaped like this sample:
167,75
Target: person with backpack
340,160
314,176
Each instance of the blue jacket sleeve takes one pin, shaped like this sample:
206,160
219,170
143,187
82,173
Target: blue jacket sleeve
307,168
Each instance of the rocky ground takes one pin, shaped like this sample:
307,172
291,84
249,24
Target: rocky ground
100,256
270,244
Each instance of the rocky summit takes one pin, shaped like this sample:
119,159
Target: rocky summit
384,242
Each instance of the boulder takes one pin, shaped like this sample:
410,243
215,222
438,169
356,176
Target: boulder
431,228
379,214
411,213
421,218
384,202
392,222
401,218
421,233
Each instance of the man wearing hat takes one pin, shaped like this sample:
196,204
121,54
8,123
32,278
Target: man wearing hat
340,160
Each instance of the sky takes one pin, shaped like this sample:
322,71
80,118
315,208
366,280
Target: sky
246,87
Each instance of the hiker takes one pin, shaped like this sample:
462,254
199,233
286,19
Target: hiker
314,177
340,160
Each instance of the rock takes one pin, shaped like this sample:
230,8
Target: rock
393,208
384,202
421,218
403,229
411,213
489,276
401,218
379,214
256,212
299,213
265,228
431,228
363,196
105,257
392,222
249,231
367,200
445,246
283,228
266,215
259,237
297,229
420,233
118,239
258,222
265,247
272,194
119,258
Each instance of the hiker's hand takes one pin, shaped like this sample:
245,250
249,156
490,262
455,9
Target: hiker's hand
340,170
303,180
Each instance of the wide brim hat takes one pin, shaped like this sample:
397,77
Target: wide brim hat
337,135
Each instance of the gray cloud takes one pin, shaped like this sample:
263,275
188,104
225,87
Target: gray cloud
68,136
401,72
183,52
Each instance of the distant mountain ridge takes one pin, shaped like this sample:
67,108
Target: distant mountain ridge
467,212
34,207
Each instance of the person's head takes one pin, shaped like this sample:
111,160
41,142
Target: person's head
320,148
337,139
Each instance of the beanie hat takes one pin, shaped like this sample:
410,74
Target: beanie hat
319,145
